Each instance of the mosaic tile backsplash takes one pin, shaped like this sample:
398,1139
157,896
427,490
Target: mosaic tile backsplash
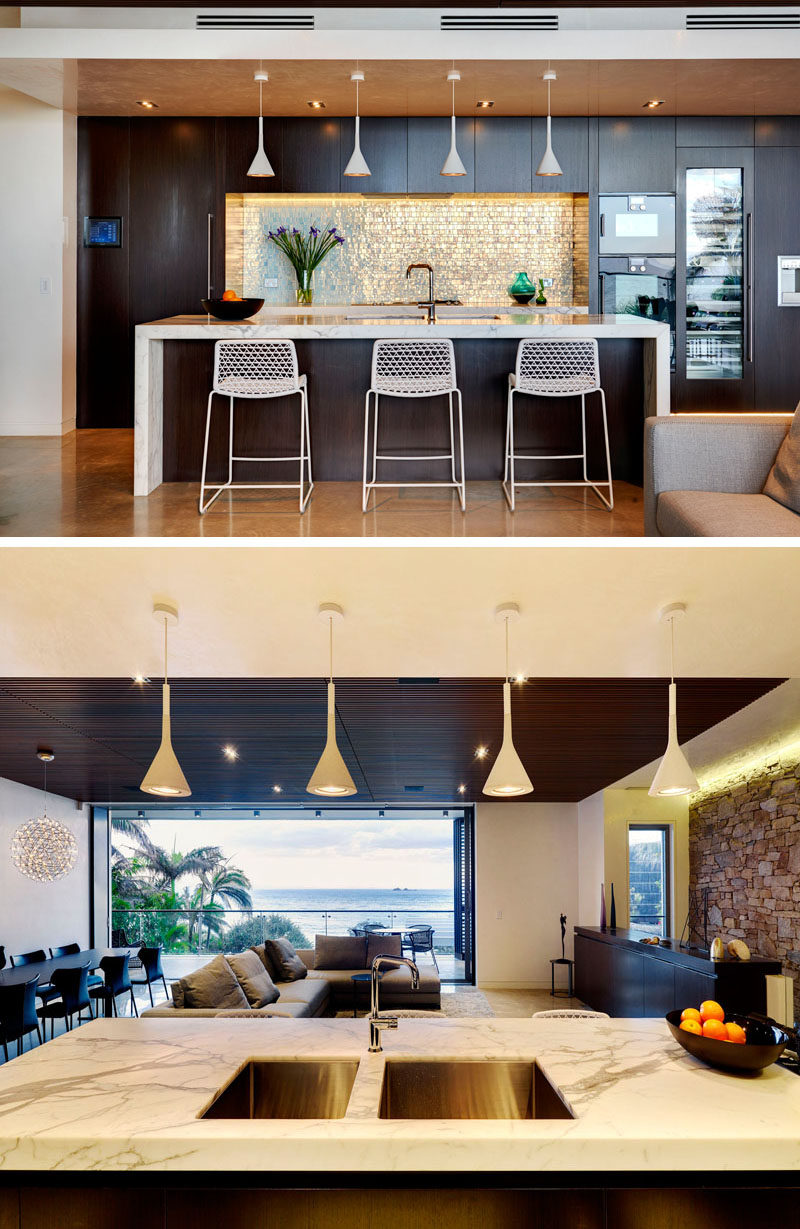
476,244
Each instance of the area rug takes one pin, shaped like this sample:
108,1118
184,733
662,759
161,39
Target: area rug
461,1004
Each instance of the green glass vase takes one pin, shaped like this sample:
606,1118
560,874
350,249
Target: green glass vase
305,287
522,289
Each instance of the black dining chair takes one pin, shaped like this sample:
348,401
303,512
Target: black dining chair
116,981
153,972
72,987
18,1014
69,949
29,958
420,940
2,957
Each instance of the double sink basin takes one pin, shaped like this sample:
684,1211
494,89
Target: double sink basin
411,1088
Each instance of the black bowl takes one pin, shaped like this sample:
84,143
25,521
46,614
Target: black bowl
232,309
765,1042
523,298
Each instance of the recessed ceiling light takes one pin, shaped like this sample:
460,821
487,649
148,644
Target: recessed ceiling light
462,789
277,789
653,103
140,679
316,104
520,678
230,752
483,104
481,752
147,104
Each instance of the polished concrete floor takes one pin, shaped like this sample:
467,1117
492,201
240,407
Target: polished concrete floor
80,485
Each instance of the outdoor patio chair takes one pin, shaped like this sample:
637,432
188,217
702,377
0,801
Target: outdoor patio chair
420,940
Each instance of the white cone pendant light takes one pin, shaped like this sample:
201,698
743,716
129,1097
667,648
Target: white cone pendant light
549,164
452,164
331,778
357,166
508,778
260,166
164,776
674,775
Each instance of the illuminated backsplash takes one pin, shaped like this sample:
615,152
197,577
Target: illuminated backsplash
476,244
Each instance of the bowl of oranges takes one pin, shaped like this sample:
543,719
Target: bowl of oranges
735,1043
232,306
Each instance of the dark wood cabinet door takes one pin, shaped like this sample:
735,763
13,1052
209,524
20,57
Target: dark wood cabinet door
503,152
628,970
570,146
693,988
428,143
237,150
636,154
384,144
593,973
706,130
776,233
311,155
659,987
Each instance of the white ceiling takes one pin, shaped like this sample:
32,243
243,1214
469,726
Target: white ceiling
250,610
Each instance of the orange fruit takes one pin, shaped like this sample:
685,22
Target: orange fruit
736,1033
711,1011
715,1029
692,1026
229,296
690,1013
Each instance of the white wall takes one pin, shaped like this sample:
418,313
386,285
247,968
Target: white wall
34,915
526,868
37,331
591,857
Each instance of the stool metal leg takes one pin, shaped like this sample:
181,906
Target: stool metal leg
203,507
364,488
610,500
462,489
305,451
508,470
452,441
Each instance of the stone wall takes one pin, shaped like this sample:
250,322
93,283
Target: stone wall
744,846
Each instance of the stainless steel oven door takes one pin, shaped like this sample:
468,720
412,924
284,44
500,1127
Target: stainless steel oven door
632,224
639,286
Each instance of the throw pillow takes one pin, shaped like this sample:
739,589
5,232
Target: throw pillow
383,945
177,994
254,979
340,952
214,985
285,961
261,952
783,480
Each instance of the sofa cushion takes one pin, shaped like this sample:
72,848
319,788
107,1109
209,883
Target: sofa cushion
214,985
176,989
711,514
783,480
284,960
313,993
254,979
340,952
383,945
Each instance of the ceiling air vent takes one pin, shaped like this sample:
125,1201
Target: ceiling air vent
254,21
499,21
743,21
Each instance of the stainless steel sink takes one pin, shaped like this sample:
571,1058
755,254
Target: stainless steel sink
463,1088
287,1088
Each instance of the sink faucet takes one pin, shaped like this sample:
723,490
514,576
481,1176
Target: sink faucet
431,303
376,1021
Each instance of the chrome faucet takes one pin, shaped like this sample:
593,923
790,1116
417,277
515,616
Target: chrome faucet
431,303
376,1021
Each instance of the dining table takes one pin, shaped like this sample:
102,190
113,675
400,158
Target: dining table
44,969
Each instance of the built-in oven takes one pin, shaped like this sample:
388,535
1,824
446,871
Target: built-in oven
639,286
635,223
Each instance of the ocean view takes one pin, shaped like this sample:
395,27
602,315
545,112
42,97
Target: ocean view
336,910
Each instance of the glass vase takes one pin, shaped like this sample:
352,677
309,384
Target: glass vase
305,287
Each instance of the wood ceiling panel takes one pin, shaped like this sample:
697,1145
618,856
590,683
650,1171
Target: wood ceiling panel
575,736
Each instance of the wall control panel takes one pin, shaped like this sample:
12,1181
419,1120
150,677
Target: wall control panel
789,281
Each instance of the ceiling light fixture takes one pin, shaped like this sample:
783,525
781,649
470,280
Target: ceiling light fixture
357,166
277,789
331,777
316,104
549,164
44,849
164,777
230,752
653,103
452,164
481,753
141,679
462,789
147,104
260,167
483,104
674,776
508,778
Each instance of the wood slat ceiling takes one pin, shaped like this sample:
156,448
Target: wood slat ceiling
575,736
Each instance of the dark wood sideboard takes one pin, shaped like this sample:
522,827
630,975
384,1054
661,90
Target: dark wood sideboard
616,973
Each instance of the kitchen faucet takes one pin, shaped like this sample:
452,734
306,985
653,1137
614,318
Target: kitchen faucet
431,303
376,1021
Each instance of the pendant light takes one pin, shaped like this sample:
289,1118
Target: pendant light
357,166
164,776
453,165
331,777
674,775
44,849
549,163
508,778
260,166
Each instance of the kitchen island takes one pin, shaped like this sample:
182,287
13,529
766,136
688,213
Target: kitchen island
173,372
629,1109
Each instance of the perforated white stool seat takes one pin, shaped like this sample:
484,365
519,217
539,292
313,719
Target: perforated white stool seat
556,368
414,368
258,369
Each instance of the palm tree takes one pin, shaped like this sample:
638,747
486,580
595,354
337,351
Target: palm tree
227,887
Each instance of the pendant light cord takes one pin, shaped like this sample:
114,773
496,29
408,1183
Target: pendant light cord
166,624
330,646
507,674
672,650
357,84
45,788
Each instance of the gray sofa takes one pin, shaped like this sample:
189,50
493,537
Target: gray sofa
322,992
704,477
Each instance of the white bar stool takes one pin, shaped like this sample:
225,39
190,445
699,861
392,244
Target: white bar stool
413,368
251,370
555,368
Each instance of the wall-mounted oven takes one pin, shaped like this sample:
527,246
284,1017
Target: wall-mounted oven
631,223
639,286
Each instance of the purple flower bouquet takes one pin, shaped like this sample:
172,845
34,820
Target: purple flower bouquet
306,252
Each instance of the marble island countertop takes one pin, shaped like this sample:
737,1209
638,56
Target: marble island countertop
127,1094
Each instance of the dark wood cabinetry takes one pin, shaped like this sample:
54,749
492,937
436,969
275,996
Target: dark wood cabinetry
311,155
428,143
636,154
384,144
571,147
503,154
238,138
776,233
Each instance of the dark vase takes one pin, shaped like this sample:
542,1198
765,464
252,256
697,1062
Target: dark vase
602,906
613,910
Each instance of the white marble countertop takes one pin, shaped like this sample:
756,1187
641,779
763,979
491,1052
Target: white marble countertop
127,1094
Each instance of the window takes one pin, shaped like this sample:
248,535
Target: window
648,878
